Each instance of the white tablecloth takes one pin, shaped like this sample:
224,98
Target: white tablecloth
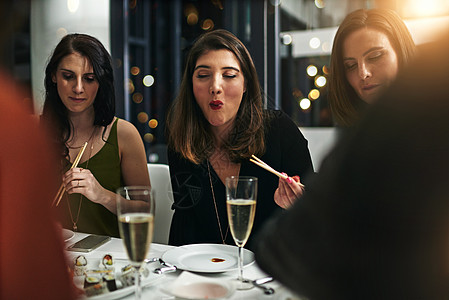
116,249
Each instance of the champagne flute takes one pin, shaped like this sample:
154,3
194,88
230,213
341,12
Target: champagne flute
241,197
135,213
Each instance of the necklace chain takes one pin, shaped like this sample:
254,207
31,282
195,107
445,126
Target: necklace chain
216,209
75,227
79,147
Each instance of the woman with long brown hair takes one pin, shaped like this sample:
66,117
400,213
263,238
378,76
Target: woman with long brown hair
370,47
80,107
216,123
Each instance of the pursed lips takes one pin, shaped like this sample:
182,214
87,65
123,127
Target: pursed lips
215,104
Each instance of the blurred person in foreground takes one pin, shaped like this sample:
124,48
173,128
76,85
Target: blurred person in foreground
213,127
374,223
32,263
370,47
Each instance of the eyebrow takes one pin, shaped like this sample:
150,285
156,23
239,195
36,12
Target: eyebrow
366,52
208,67
70,71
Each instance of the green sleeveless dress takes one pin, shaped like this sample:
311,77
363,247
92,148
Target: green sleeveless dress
94,217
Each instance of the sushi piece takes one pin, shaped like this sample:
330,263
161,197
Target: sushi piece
96,289
107,262
91,280
110,282
80,263
127,276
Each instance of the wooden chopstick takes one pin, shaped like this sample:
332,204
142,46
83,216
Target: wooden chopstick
61,190
262,164
267,167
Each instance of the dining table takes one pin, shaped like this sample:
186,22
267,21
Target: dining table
157,285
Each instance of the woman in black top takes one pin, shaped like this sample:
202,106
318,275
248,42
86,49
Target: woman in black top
214,126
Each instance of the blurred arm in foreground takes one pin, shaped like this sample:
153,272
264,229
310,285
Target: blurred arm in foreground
32,263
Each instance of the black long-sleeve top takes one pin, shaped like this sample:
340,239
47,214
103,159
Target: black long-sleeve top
195,219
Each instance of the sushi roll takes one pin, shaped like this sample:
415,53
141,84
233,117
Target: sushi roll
107,262
127,276
91,280
110,282
96,289
80,263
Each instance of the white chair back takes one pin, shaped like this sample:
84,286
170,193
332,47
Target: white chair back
161,185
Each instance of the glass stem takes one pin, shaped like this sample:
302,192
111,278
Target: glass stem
240,263
138,287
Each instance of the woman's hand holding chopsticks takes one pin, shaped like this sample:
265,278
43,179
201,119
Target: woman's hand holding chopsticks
289,189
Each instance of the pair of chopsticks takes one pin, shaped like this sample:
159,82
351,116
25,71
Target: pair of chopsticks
61,190
265,166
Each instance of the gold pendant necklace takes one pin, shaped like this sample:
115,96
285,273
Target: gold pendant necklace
75,226
216,209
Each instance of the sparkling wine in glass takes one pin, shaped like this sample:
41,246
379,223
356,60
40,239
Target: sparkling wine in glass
135,213
241,197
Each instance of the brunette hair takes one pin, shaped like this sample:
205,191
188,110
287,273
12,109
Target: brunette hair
344,102
188,131
55,113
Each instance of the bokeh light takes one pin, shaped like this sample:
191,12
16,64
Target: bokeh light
135,70
320,3
320,81
131,87
312,70
326,47
218,4
192,19
425,8
325,69
61,32
153,157
148,80
287,39
314,43
137,98
208,24
142,117
148,137
314,94
304,103
73,5
153,123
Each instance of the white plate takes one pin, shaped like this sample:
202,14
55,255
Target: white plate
67,235
203,258
151,280
192,286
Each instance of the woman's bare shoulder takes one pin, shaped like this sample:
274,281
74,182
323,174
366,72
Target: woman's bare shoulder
125,128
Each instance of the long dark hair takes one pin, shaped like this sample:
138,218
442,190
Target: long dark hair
188,131
55,114
344,102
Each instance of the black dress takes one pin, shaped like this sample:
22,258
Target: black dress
195,219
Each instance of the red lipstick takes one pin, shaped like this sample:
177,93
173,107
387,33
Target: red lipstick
215,104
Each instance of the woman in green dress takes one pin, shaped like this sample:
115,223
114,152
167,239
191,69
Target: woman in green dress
80,107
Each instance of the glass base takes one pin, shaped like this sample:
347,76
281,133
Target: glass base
246,284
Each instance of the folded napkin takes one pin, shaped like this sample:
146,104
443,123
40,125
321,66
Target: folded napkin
192,286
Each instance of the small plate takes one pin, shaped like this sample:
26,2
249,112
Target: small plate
193,286
207,258
67,235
